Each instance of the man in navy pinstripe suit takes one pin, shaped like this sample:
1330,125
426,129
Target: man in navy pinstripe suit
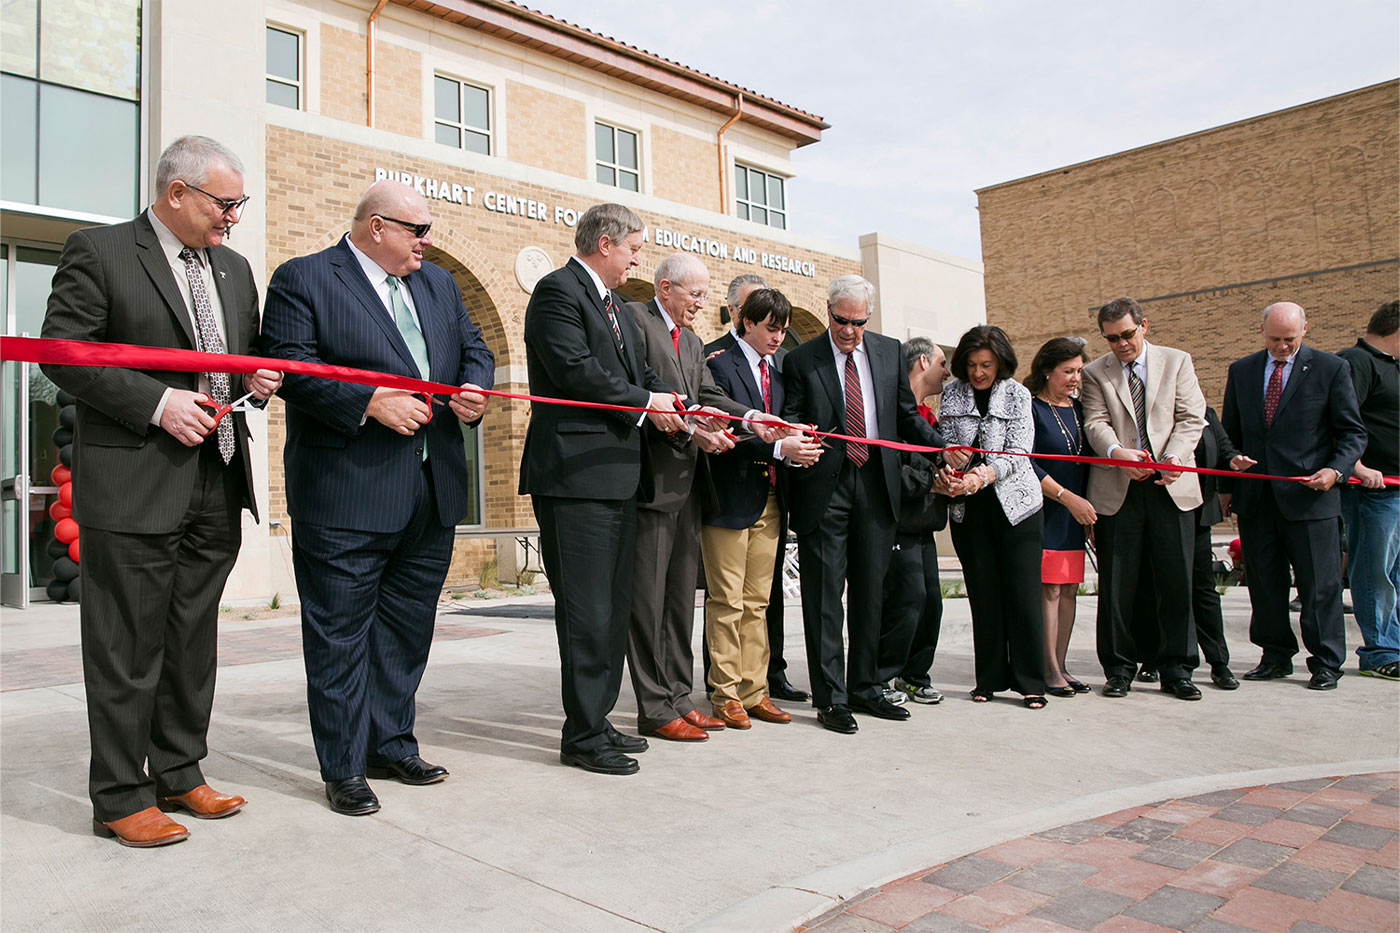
376,480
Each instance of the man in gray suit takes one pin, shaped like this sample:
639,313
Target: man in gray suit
158,487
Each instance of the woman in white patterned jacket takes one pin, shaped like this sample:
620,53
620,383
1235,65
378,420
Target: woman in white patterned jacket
996,520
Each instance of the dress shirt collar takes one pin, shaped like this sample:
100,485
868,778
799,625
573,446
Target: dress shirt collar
666,318
751,354
598,285
841,357
373,271
169,243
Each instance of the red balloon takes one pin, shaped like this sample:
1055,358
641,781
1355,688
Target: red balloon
73,550
65,494
60,475
58,510
66,530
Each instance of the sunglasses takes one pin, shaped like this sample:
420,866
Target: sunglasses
1119,338
418,230
847,322
225,205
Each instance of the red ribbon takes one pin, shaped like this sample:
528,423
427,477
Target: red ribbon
131,356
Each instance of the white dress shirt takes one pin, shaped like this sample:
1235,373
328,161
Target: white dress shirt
867,384
752,357
379,281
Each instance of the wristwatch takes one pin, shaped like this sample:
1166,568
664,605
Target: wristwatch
1340,478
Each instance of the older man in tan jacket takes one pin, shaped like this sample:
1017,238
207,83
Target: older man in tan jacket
1142,403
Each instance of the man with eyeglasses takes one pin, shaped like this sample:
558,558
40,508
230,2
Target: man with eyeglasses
377,479
845,507
1142,403
158,486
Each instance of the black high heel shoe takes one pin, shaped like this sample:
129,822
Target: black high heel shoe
1078,686
1066,691
1033,702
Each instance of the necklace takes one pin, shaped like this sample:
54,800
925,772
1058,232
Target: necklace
1075,445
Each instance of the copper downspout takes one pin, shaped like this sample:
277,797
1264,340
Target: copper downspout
719,142
369,62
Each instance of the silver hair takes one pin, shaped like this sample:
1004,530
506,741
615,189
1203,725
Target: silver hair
850,287
1303,315
190,158
914,348
678,268
731,297
604,220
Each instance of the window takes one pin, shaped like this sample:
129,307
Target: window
284,67
759,196
461,115
618,164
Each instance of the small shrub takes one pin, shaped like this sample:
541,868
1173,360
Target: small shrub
489,577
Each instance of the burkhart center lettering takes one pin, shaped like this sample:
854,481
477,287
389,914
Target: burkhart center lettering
443,190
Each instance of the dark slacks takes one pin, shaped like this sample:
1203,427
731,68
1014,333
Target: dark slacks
850,548
368,604
588,546
1205,606
1270,544
1001,567
149,620
913,611
777,664
1148,533
659,655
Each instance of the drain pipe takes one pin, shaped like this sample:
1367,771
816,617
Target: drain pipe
369,62
723,163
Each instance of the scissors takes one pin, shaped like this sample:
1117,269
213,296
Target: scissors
220,410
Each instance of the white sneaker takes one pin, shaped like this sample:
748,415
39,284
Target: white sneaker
917,694
897,697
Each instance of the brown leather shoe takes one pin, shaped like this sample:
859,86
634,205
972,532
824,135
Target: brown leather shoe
203,803
766,711
732,714
700,721
678,730
143,830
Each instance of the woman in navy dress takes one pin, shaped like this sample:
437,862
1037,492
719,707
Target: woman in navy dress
1059,429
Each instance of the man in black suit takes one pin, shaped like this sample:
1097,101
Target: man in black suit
844,508
779,686
376,481
1291,410
585,468
158,488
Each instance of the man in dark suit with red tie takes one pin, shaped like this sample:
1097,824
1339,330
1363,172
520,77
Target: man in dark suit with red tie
158,488
376,480
1291,410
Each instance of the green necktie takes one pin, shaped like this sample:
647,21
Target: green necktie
412,336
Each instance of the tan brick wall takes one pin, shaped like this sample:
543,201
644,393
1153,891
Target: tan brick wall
342,77
546,131
684,169
312,186
398,89
1284,201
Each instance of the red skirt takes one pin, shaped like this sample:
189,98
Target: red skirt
1062,566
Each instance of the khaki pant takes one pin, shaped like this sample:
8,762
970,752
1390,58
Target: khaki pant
739,571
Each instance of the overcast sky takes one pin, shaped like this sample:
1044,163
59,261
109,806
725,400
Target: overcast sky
929,100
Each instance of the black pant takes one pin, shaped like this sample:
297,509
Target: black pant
777,664
368,605
850,547
1147,532
913,611
1271,543
149,619
1001,567
587,546
1205,606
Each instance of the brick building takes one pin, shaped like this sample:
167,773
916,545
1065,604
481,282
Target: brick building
1206,230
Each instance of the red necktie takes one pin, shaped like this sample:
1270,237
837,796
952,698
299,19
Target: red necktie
612,319
1274,392
855,413
928,415
676,339
765,385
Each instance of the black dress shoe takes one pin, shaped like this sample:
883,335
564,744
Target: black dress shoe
1267,671
880,709
1221,676
1181,688
837,718
1147,675
1065,692
780,689
631,744
1323,680
352,797
410,770
601,761
1117,686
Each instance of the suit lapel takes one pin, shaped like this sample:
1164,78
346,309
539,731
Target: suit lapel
230,297
1254,393
596,304
1301,367
1153,364
431,323
826,374
347,269
1120,383
739,363
153,260
879,375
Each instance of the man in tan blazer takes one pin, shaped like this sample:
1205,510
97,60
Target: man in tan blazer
1142,403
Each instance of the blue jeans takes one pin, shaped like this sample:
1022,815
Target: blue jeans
1372,518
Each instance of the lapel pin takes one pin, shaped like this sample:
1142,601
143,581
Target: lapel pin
221,273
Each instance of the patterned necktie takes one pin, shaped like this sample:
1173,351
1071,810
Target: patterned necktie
412,336
210,342
676,340
765,386
1274,392
855,413
612,319
1140,408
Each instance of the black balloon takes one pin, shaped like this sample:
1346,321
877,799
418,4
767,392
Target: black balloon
74,589
56,549
57,590
66,415
62,437
65,569
64,398
65,455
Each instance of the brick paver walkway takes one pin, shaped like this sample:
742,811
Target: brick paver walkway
1301,857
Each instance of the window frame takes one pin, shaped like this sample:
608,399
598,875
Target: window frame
462,127
614,166
300,83
747,204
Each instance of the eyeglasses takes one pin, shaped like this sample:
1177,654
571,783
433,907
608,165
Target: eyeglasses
225,206
1119,338
847,322
418,230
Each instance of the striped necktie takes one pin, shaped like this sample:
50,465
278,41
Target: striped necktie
855,413
412,336
1139,394
210,342
1274,392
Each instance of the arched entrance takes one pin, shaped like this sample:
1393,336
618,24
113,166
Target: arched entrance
805,325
